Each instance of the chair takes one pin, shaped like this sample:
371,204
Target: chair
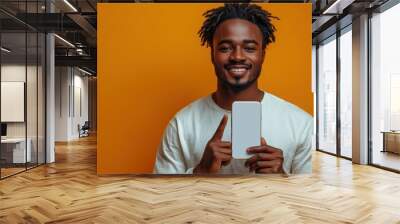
84,130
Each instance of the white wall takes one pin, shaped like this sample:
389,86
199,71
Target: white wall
62,78
79,117
71,93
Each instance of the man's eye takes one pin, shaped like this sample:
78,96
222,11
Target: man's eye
224,49
250,49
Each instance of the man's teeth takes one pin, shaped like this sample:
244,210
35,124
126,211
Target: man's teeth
238,70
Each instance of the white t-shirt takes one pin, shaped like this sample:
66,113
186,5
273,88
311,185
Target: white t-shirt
284,126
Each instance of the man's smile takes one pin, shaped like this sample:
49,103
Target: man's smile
238,70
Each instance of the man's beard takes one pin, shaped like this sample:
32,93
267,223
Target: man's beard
237,86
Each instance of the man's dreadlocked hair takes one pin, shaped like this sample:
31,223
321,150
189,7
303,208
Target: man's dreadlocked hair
250,12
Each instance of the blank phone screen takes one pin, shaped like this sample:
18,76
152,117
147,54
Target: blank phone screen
246,127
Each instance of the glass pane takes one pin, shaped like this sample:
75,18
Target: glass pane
346,94
31,86
23,89
327,96
13,88
31,101
386,89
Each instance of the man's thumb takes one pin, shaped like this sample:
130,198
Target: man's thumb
263,142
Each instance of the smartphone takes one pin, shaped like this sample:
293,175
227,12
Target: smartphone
246,127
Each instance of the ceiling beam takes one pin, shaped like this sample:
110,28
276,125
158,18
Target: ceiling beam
83,61
84,24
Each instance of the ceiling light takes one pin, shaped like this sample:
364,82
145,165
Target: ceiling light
84,71
70,5
79,51
5,50
337,7
64,40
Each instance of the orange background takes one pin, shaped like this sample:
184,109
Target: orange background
151,64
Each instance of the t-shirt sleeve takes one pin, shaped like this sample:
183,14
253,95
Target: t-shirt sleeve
169,159
301,163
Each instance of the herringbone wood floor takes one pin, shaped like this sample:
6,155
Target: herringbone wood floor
69,191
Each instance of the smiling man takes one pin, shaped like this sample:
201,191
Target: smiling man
197,139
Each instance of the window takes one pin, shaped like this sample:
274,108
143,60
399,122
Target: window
395,102
385,88
327,95
346,93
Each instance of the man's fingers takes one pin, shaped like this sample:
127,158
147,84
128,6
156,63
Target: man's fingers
264,164
225,163
223,144
222,156
260,149
221,127
266,159
259,156
225,147
252,159
263,149
227,151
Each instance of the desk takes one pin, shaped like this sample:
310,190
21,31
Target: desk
391,141
13,150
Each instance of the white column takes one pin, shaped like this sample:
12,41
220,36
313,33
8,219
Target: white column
360,90
50,92
50,100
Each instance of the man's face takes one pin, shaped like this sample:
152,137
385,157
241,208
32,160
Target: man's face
237,53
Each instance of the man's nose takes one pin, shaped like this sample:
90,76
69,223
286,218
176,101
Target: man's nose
237,55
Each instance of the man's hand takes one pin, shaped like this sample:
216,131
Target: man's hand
266,159
216,153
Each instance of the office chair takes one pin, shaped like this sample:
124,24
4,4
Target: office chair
84,130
